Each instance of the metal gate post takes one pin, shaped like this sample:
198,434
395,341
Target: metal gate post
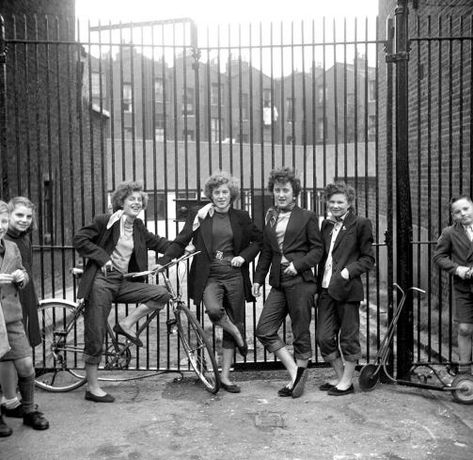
195,65
405,330
4,189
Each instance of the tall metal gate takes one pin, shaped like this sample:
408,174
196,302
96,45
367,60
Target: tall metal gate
85,107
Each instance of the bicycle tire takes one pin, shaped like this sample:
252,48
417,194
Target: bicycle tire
198,349
58,368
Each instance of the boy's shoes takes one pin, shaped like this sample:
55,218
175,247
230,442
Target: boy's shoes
16,412
5,430
336,392
35,420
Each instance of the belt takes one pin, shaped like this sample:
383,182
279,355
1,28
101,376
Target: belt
220,255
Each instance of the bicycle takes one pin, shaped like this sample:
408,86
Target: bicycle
61,323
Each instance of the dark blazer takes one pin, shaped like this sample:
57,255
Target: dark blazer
302,246
453,249
352,249
10,299
246,243
28,298
96,243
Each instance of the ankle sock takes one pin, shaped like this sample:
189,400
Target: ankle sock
10,403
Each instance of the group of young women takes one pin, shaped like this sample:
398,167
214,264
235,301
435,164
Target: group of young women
306,266
303,262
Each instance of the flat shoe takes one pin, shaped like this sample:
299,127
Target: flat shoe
299,383
231,388
336,392
326,386
5,430
106,398
135,340
285,392
243,350
16,412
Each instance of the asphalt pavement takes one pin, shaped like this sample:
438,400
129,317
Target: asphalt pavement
161,418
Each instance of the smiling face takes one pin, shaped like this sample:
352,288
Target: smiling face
338,204
283,194
462,211
133,205
4,219
221,198
21,218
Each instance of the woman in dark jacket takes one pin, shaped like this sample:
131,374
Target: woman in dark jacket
291,247
115,245
228,241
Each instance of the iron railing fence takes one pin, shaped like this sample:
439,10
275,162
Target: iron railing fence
168,103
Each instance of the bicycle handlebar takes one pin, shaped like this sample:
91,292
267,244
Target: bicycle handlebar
412,288
161,268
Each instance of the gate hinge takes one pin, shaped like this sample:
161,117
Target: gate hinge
397,57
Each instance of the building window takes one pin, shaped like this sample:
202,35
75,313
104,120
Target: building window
188,102
214,130
215,93
159,134
320,94
158,89
188,134
96,87
290,109
372,90
371,127
266,97
127,105
245,104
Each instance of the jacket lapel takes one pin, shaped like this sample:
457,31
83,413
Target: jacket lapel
293,227
349,220
236,229
206,234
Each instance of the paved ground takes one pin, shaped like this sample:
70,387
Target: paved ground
158,418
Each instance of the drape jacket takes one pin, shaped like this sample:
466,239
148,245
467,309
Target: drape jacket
246,243
352,249
302,246
96,243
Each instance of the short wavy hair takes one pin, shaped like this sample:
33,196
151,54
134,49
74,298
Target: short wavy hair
124,190
454,199
222,178
285,174
23,201
4,208
340,187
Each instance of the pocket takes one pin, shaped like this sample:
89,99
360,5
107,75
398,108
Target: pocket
339,287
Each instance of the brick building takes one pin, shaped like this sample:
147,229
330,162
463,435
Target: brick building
54,149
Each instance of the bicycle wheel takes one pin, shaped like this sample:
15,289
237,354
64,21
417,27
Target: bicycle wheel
464,383
198,349
58,359
369,377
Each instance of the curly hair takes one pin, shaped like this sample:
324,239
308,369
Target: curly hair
285,174
124,190
23,201
340,187
222,178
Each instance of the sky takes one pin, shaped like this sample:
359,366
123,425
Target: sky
223,12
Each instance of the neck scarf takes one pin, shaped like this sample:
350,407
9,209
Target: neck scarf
118,216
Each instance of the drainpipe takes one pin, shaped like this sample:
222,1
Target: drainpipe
3,113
